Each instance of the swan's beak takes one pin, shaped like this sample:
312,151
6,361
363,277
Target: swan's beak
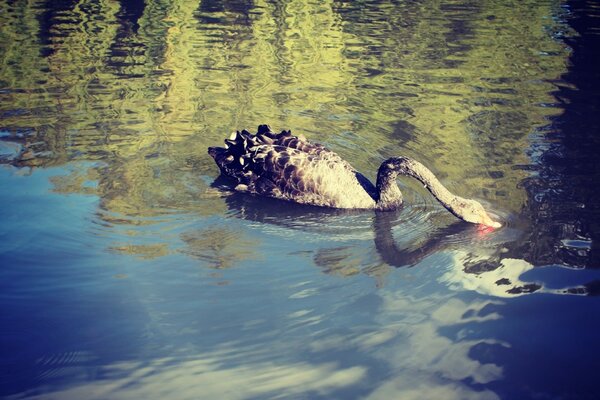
487,221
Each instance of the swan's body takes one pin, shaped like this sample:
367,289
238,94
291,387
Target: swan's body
291,168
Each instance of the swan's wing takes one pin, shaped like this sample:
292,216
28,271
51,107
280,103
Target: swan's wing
292,168
280,171
291,174
235,159
321,153
287,139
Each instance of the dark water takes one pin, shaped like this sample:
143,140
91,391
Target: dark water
127,273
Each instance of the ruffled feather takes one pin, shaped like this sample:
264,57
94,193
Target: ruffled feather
290,167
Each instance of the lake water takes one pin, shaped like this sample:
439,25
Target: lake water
127,272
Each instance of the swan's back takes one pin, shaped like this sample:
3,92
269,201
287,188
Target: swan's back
290,167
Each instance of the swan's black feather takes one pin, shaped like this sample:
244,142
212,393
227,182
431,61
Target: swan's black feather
290,167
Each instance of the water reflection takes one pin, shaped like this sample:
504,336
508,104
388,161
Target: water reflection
219,247
563,191
137,129
481,259
448,85
219,373
437,240
128,119
404,336
421,360
116,244
375,243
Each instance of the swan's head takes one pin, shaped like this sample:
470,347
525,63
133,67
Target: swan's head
472,211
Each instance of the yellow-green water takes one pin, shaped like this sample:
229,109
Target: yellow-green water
125,272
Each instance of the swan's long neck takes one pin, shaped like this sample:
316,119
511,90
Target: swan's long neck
390,196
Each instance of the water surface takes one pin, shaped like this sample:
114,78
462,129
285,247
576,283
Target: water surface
128,270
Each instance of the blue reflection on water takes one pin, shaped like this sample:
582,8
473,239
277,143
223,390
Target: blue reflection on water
122,293
91,322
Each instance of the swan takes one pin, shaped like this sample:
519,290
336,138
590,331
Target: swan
289,167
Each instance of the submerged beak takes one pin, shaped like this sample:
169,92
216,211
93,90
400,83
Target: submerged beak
487,221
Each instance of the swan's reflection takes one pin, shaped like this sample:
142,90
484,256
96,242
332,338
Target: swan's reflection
437,240
479,261
417,236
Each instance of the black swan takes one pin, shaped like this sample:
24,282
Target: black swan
291,168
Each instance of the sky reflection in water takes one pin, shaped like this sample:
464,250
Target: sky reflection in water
129,271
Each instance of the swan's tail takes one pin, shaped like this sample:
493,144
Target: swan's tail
236,159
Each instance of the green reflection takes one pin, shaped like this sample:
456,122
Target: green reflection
460,88
219,248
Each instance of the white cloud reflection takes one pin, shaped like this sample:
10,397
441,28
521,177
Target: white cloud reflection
419,386
407,338
417,344
209,378
424,363
499,282
427,364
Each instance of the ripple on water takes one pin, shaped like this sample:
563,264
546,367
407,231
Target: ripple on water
403,237
60,364
26,345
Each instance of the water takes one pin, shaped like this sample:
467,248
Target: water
128,272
